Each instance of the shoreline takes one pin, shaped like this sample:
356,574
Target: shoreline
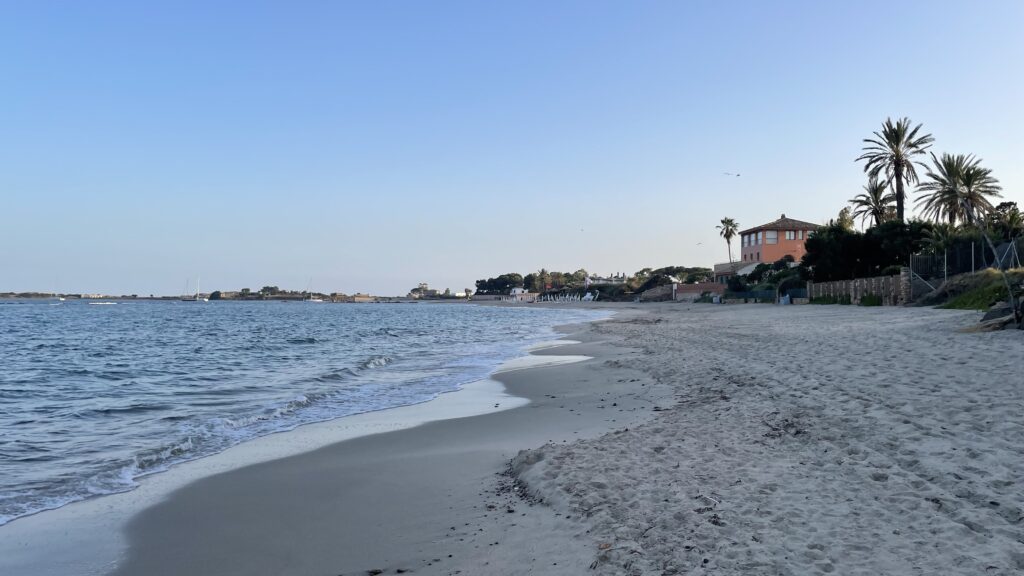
426,499
85,537
695,439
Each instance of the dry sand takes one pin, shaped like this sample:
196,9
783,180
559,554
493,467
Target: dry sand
805,440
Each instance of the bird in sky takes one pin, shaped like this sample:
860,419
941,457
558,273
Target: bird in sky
731,174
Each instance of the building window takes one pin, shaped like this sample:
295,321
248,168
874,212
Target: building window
760,236
790,234
801,237
771,237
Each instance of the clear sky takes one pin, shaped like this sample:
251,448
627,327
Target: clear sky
369,146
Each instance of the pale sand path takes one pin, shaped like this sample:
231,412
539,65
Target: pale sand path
806,440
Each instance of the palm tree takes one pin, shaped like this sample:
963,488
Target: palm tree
892,151
940,237
727,230
874,203
978,183
956,184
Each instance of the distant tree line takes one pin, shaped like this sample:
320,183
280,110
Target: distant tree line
544,280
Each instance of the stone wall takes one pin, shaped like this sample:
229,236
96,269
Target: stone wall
691,292
893,290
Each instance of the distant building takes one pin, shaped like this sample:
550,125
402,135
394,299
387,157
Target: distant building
486,297
520,295
423,291
772,241
358,297
723,271
611,279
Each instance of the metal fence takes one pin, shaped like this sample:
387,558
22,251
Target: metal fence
757,295
963,258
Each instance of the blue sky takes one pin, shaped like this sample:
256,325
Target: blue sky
369,146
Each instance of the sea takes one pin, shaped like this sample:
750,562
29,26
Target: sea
94,396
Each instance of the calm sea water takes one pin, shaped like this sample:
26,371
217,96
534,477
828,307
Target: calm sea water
93,397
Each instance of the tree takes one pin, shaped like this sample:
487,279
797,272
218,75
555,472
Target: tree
245,292
838,253
728,229
543,279
215,295
530,282
556,279
955,184
873,203
940,238
1006,220
892,152
500,285
844,219
269,290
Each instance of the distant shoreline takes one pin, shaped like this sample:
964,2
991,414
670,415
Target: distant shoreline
276,298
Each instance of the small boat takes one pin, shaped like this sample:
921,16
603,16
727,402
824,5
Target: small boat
312,297
193,298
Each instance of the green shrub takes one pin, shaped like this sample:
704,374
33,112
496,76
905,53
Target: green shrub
871,300
893,270
981,298
843,299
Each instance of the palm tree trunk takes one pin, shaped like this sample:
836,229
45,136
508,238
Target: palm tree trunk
728,244
898,173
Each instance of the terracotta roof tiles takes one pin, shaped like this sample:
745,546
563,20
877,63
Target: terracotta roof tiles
783,223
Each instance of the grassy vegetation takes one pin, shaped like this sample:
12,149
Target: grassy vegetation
977,291
871,300
981,298
844,300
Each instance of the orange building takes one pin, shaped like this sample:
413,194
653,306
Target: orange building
770,242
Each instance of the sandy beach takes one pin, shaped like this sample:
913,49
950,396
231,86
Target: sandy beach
806,440
696,439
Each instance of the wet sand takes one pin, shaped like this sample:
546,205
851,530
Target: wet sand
429,499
